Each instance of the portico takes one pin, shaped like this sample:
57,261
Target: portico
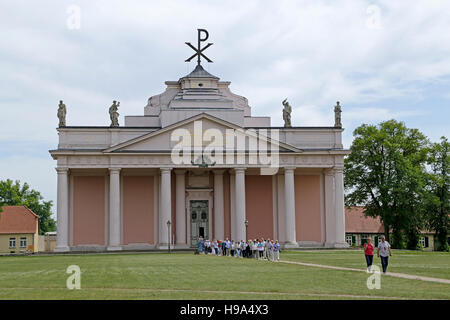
274,210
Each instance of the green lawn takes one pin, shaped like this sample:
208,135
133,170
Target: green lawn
189,276
430,264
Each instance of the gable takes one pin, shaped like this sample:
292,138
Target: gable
17,219
199,131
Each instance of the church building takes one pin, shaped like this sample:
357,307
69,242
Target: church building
197,163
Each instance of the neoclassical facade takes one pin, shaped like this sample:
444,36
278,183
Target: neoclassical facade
126,188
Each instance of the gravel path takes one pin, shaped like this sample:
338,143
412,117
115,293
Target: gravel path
392,274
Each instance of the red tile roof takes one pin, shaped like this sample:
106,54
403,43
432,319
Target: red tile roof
17,219
357,222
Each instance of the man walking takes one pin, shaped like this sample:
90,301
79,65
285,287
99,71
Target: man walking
269,245
228,246
384,251
276,251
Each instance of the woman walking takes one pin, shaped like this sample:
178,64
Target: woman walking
255,249
261,245
368,252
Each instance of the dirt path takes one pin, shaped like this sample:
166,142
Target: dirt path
392,274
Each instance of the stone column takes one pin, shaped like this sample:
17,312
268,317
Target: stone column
330,218
219,222
240,204
289,192
165,208
180,209
114,210
62,235
340,207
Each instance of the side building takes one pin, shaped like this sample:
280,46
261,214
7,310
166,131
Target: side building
19,230
359,228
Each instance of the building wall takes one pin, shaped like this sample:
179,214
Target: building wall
226,205
89,210
138,209
259,206
308,221
47,244
4,242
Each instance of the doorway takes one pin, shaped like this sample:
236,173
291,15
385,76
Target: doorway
199,220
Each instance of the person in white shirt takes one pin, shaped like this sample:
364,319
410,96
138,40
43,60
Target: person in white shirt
276,251
228,245
384,252
255,249
260,246
238,249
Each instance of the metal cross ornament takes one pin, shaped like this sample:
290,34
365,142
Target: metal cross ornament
199,50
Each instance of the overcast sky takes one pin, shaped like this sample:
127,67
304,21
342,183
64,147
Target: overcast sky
380,59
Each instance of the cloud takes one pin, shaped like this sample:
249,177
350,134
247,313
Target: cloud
381,59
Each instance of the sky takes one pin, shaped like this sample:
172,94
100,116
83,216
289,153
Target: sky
381,59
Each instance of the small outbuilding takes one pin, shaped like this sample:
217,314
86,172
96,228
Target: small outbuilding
19,230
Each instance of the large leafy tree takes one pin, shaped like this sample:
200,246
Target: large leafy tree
385,174
438,198
14,194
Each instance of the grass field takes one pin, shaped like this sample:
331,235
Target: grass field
189,276
429,264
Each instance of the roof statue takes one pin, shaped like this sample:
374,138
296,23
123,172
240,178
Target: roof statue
337,115
287,113
113,114
62,114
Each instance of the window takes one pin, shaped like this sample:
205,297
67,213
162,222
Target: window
423,242
12,242
364,238
377,240
23,242
349,240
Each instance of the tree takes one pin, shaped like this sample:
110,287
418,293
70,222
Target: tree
13,194
438,200
385,174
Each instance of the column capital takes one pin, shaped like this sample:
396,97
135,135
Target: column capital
165,170
240,170
114,170
62,170
338,170
289,168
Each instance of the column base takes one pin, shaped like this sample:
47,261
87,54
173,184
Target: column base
336,245
61,249
181,246
165,246
114,248
290,245
341,245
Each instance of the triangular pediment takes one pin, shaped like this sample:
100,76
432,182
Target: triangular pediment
198,131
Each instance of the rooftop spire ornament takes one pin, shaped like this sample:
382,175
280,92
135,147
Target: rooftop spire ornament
199,50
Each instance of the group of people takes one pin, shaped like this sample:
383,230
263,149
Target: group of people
270,249
383,252
257,248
